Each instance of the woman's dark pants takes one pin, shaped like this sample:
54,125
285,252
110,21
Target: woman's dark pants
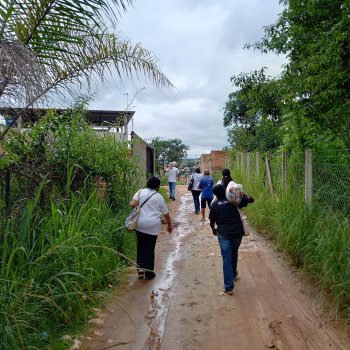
145,252
195,195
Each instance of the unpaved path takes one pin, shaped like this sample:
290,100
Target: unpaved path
182,308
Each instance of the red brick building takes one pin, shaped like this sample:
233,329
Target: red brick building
214,161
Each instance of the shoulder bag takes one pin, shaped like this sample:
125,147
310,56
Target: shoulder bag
131,220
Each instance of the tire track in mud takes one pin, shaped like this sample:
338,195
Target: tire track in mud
160,296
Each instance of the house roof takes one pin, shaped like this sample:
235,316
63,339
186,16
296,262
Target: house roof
97,117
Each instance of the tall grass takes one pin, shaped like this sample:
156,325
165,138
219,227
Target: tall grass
317,240
53,263
63,242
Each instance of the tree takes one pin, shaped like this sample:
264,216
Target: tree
63,46
172,150
255,111
315,36
265,137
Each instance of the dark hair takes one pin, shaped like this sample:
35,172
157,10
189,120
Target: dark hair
206,172
226,177
197,170
226,172
153,183
219,191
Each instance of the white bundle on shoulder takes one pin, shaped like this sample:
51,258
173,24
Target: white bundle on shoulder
234,192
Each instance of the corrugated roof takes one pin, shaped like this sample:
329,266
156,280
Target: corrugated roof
93,116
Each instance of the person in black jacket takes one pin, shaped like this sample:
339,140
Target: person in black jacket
229,231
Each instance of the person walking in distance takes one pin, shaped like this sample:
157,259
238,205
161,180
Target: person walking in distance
148,225
196,192
172,173
206,184
229,232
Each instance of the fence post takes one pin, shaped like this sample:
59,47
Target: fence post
308,178
268,173
248,165
284,171
257,163
242,160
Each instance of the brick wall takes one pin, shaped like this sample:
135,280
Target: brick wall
214,161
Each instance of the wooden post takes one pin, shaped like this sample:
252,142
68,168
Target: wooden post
257,163
268,173
284,171
248,165
308,178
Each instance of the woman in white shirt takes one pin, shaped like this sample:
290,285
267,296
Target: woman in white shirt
148,225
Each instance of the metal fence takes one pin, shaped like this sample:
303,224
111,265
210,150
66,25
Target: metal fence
322,177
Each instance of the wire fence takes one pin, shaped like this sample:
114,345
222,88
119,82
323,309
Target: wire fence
331,182
323,177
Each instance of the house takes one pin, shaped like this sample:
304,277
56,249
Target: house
102,121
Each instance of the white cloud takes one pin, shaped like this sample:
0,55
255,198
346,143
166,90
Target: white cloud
200,46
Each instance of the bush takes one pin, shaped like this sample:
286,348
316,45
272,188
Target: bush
65,241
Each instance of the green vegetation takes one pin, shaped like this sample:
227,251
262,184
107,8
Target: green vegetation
318,240
305,107
168,151
308,104
254,110
62,211
63,241
54,264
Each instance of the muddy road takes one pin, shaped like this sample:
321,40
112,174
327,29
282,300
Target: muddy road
272,306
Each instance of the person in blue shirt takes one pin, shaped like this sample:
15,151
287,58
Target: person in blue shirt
206,185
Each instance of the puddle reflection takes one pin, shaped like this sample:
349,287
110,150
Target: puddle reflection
159,297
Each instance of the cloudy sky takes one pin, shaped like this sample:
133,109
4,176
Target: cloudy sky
199,44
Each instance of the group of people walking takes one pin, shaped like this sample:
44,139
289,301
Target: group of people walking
202,187
225,219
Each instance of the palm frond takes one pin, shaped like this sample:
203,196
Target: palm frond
21,74
49,46
98,58
45,22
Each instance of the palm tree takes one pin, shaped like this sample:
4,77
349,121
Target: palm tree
58,46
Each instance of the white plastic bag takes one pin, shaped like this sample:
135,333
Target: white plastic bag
234,192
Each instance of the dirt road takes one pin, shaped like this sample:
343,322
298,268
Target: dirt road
183,308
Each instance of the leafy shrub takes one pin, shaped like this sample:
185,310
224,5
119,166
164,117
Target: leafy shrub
64,241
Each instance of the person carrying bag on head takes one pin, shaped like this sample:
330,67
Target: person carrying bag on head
227,226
